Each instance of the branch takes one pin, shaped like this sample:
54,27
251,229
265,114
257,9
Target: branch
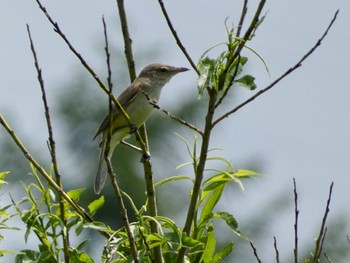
127,40
141,135
111,173
323,229
52,147
178,119
255,251
178,41
296,222
289,71
276,250
243,15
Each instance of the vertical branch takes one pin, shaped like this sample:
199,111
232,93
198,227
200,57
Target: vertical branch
323,229
115,185
142,134
255,251
199,171
52,148
127,40
243,15
276,250
296,211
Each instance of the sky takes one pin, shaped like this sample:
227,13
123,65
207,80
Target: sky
300,129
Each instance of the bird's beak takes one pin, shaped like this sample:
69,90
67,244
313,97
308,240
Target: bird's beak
180,69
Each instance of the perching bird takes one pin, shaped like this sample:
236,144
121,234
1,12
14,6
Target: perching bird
150,81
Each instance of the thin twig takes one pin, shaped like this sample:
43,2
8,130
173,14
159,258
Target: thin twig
113,176
255,251
323,229
52,147
321,244
178,41
178,119
328,258
243,15
289,71
127,40
348,239
296,211
123,210
276,250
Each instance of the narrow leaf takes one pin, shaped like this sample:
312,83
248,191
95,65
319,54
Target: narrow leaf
218,257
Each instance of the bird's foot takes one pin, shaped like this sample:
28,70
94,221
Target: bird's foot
145,157
133,128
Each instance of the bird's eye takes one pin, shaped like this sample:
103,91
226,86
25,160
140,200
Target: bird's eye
163,69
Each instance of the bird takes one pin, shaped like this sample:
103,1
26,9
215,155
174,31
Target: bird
151,80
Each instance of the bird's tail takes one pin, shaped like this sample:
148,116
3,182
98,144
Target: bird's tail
101,170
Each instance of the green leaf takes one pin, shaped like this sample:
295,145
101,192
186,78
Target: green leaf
2,177
99,226
25,255
234,70
218,69
219,256
245,173
230,221
205,68
154,240
80,256
5,251
190,242
96,204
75,194
247,81
82,244
172,178
206,214
209,246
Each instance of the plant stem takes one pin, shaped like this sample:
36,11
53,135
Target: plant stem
141,135
200,170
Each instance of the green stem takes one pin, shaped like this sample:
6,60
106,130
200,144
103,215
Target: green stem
200,171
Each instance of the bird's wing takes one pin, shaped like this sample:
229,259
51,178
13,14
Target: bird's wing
125,98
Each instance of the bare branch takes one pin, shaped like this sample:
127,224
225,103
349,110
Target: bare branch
178,119
323,229
111,173
127,40
296,211
52,146
276,250
243,15
255,251
289,71
178,41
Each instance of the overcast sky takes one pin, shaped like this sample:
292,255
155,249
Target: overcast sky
300,129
